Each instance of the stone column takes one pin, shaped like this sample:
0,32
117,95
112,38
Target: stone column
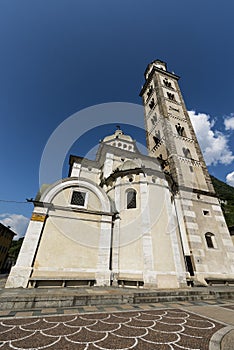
103,271
115,251
21,272
176,224
148,273
181,225
116,234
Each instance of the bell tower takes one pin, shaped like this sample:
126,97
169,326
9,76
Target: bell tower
170,135
171,139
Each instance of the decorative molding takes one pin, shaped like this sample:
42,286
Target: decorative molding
86,219
174,109
162,141
170,115
187,139
151,74
174,101
189,161
53,190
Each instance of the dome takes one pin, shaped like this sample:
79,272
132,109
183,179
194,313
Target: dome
128,165
122,141
118,135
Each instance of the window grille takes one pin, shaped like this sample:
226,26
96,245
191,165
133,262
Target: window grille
78,198
131,199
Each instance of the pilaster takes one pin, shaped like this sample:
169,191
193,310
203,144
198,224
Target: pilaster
20,273
108,165
103,271
149,275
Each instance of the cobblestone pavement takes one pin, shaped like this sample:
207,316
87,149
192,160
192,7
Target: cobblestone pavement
143,329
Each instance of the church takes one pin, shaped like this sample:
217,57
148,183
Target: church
127,219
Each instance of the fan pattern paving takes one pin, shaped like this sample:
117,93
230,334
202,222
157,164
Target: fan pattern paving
163,329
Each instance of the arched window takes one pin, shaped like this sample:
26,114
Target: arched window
131,199
152,103
171,96
187,152
210,240
167,83
179,129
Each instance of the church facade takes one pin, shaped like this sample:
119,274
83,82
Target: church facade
127,219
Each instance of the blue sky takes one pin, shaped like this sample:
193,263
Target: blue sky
61,56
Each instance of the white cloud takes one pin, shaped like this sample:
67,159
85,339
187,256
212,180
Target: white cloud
229,123
230,179
213,143
18,223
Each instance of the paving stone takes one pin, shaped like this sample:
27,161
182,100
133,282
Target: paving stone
70,311
126,307
4,313
90,308
113,320
214,312
111,309
24,314
147,329
173,305
145,306
158,305
48,310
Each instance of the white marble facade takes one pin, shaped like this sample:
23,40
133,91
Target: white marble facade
124,233
126,219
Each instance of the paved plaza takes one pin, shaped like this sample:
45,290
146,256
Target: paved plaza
115,318
185,325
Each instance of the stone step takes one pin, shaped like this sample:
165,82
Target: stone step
173,293
60,301
62,298
172,298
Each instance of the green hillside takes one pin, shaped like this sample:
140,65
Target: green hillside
225,193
